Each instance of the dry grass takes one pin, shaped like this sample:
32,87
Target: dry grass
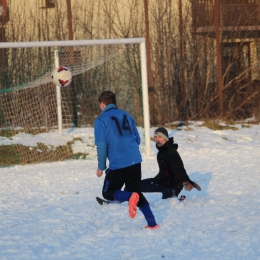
20,154
213,125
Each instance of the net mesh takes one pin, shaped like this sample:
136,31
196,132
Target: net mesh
28,103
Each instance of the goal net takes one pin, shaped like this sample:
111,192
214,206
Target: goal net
32,108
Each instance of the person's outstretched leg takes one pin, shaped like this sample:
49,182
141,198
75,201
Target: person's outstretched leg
150,185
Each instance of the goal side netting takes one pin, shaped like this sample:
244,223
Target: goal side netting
33,109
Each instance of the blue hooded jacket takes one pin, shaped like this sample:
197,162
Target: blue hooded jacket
116,138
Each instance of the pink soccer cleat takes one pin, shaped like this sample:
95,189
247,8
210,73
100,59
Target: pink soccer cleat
132,204
152,228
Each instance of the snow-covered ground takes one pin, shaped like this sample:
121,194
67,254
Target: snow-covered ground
49,211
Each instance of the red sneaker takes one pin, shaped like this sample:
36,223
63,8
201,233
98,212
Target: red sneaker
132,204
152,228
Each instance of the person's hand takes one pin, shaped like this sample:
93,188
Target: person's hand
188,185
99,173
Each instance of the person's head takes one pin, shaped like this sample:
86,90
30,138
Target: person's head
107,97
161,136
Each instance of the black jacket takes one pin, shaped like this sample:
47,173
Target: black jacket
171,168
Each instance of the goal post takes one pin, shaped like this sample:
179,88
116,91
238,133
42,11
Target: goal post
58,94
27,92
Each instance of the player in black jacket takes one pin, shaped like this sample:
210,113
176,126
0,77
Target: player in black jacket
172,176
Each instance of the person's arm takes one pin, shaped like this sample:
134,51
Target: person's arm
100,142
102,155
178,167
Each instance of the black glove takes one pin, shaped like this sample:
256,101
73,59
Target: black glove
189,185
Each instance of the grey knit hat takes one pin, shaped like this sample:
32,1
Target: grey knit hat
161,131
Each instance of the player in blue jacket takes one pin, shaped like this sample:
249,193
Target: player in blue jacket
117,139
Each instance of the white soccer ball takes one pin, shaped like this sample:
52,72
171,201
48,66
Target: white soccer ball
61,76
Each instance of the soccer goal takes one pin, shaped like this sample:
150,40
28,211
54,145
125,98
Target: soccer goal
31,105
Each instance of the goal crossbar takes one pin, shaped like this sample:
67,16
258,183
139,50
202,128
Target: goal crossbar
71,43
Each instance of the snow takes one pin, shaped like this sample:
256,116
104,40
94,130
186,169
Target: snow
49,211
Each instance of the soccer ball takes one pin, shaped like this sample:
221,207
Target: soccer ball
61,76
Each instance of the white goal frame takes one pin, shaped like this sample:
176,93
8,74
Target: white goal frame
141,41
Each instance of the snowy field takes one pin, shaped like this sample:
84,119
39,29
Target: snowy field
49,211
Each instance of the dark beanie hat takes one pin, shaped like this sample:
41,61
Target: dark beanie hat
161,131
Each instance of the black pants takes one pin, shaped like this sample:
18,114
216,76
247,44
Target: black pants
151,185
130,177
